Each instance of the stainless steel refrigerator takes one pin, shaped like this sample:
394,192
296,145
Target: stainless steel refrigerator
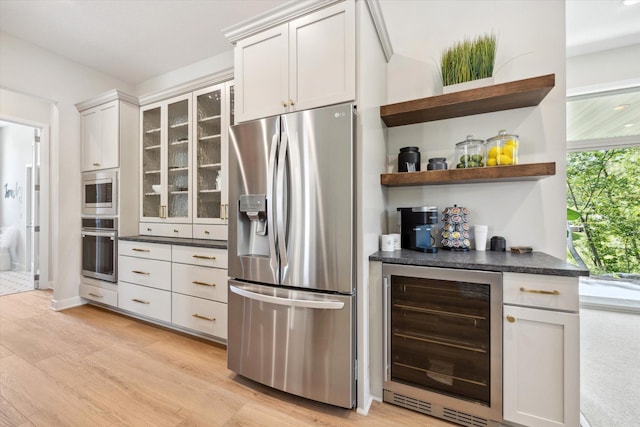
291,253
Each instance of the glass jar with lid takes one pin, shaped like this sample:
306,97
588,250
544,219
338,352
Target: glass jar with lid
502,149
470,153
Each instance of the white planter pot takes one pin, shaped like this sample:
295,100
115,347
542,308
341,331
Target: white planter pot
473,84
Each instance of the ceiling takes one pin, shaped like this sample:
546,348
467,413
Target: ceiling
135,40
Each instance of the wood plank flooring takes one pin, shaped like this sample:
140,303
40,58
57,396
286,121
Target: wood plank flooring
90,367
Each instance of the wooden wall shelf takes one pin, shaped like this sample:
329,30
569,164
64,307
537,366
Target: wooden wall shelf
527,172
500,97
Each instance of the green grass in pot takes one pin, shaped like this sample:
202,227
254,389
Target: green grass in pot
468,60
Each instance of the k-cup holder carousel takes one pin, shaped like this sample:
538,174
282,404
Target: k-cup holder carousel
455,233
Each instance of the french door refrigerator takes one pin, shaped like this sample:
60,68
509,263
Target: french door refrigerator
291,253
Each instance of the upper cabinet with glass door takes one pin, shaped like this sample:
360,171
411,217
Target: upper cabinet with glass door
166,161
213,116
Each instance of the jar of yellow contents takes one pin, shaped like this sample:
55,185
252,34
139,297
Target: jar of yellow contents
502,149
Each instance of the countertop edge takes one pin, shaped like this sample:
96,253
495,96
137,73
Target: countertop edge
178,241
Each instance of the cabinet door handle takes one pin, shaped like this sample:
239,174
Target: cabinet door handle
175,230
149,229
510,318
206,232
200,316
291,102
196,282
284,104
96,164
141,301
205,257
140,272
142,250
96,295
539,291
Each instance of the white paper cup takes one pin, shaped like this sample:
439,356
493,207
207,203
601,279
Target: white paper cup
396,241
386,243
480,236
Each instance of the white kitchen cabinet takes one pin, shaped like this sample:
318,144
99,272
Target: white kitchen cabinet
305,63
100,137
541,350
166,161
149,302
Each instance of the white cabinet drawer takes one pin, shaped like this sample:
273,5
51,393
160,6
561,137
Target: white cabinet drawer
209,317
210,232
145,250
146,301
147,272
98,294
207,257
536,290
166,230
203,282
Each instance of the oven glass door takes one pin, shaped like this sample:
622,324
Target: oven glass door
98,193
99,255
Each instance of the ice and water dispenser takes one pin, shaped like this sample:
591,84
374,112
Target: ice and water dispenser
252,223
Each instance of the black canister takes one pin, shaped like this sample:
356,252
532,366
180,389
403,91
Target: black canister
409,159
437,163
498,244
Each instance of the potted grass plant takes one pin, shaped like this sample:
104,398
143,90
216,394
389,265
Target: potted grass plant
468,64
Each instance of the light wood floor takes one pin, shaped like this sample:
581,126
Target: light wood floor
90,367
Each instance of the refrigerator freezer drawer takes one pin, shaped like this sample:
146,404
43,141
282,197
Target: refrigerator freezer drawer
296,341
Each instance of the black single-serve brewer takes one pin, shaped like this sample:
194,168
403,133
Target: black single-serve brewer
415,228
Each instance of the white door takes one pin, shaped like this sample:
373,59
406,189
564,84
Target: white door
541,367
261,74
90,139
322,52
109,135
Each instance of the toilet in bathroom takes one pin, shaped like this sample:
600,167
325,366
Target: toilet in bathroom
8,245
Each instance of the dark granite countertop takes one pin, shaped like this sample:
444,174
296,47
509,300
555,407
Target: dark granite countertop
532,263
181,241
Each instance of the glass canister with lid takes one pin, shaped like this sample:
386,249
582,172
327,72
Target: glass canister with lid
470,153
502,149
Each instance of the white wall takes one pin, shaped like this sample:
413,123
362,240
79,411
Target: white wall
604,70
28,69
531,42
15,153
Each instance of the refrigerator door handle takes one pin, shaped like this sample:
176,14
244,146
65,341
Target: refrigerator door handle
327,305
271,214
280,201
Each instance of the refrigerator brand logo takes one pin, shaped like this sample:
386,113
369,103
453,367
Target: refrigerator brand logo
338,115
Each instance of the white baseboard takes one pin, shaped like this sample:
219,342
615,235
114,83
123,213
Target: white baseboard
364,410
59,305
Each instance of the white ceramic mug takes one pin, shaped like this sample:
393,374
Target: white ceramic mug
386,243
396,241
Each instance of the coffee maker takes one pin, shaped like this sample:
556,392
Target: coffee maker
415,228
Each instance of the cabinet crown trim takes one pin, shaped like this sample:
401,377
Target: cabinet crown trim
273,17
109,96
190,86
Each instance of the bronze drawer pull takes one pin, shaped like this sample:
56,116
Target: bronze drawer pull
140,301
196,282
200,316
141,250
205,257
510,318
538,291
140,272
96,295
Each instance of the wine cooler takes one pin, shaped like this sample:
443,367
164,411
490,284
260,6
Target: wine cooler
443,343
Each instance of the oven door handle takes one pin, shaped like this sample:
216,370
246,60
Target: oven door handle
111,234
290,302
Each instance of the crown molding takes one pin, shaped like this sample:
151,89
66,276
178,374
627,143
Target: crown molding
381,28
273,17
190,86
109,96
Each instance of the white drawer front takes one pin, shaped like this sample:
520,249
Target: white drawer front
211,232
207,257
147,272
97,294
536,290
166,230
209,317
145,250
203,282
148,302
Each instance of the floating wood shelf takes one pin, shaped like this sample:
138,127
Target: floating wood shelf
528,172
504,96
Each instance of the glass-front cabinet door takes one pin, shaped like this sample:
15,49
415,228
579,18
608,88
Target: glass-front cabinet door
166,161
212,116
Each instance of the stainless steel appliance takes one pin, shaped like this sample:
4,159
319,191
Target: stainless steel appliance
443,342
291,253
100,193
100,248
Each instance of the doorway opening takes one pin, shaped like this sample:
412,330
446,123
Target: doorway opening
19,207
603,201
